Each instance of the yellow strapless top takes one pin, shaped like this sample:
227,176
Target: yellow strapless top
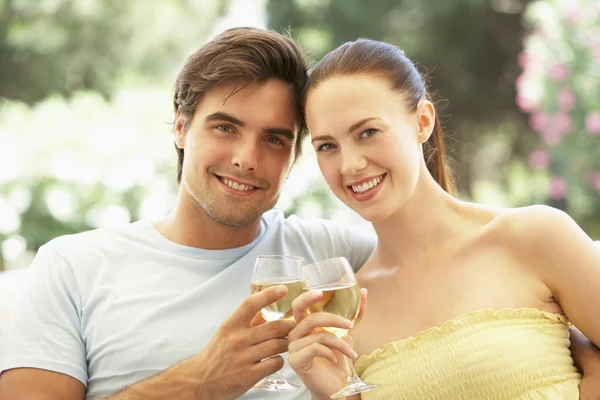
506,354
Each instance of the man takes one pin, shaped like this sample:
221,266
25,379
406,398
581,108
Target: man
153,310
160,310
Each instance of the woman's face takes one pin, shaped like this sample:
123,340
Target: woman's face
368,142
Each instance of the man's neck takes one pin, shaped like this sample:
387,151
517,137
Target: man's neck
191,226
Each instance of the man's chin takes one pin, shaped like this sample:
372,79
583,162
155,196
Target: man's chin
235,221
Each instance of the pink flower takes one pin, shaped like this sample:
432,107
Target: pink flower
523,59
562,122
519,82
538,121
590,37
524,104
572,14
559,73
592,123
597,182
557,188
551,137
539,159
566,99
596,52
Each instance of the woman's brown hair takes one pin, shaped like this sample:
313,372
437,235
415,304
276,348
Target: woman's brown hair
389,62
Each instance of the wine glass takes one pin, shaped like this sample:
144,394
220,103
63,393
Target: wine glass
341,295
273,270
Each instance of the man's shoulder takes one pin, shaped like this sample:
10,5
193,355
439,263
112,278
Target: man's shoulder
294,223
317,228
95,240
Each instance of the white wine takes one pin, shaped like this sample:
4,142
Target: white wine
282,308
339,299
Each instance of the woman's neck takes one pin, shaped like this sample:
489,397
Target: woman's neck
430,219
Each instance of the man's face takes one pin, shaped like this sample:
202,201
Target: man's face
238,150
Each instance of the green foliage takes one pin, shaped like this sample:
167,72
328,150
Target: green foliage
84,125
560,88
59,47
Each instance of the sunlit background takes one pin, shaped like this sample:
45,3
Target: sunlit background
86,88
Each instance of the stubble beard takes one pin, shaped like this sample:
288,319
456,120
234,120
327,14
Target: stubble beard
231,215
228,210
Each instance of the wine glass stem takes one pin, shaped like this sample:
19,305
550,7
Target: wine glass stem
352,375
276,377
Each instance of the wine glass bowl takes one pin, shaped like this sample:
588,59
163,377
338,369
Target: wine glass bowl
274,270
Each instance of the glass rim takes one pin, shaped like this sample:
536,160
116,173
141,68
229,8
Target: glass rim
316,263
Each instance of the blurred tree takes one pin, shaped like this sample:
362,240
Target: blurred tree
560,88
470,52
61,46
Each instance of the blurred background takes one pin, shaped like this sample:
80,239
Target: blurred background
86,86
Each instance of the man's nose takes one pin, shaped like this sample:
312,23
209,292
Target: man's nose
246,156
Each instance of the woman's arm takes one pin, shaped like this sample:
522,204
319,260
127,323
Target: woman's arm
567,260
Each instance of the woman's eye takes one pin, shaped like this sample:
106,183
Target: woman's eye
368,132
325,147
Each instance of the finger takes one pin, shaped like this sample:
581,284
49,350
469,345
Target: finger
301,303
267,349
252,304
257,320
267,367
363,305
270,330
318,320
361,312
300,359
327,339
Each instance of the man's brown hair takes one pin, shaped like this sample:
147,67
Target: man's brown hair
246,55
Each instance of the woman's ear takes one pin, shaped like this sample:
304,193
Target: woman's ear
425,120
178,130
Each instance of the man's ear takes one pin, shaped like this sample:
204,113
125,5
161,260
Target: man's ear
425,120
178,130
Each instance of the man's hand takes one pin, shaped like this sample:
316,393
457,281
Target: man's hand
230,364
587,359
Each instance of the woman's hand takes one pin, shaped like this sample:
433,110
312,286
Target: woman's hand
316,355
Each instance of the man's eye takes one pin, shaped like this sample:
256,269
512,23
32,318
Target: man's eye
274,140
225,128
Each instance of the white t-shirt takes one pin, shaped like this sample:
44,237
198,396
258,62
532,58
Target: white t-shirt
112,307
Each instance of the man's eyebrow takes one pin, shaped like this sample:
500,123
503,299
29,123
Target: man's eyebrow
286,133
221,116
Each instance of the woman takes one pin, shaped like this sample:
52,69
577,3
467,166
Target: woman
465,301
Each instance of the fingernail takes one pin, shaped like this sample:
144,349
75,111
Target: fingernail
317,293
281,289
348,324
354,354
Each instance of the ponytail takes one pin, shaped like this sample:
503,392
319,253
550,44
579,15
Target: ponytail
435,158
